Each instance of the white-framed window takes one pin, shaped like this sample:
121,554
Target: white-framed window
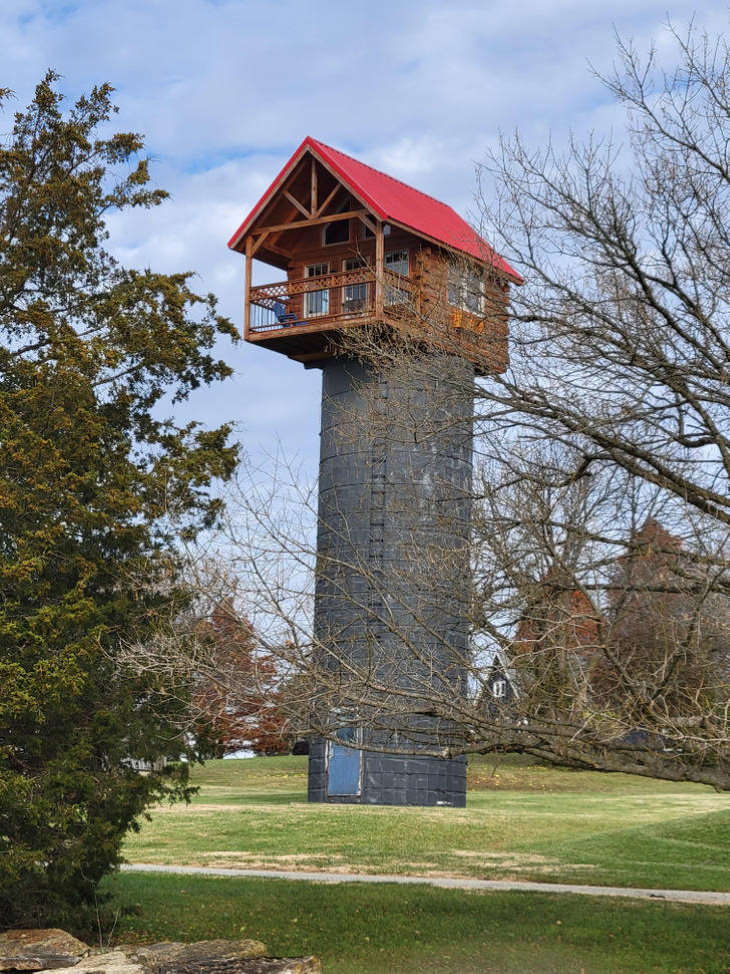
499,688
354,296
316,303
466,288
396,261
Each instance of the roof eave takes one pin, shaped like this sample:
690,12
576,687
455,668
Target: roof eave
495,262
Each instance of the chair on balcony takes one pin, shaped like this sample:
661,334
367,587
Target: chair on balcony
284,317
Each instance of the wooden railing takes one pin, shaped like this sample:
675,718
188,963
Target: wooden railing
338,296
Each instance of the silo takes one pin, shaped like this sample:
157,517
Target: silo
391,606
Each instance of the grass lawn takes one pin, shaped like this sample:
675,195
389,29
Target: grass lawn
524,820
383,928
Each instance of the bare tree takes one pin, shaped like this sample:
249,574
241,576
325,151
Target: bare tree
619,652
613,412
550,591
619,337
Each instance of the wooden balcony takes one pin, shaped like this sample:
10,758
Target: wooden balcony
300,318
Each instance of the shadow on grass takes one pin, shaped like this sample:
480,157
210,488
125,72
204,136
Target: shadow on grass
687,853
251,798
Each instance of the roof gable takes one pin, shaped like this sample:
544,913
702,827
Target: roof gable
390,200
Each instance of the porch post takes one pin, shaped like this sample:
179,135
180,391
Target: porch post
379,268
247,289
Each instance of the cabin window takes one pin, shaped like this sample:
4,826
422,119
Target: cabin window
354,296
499,688
368,234
316,302
396,261
466,288
336,232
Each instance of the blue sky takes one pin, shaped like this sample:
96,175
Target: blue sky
224,90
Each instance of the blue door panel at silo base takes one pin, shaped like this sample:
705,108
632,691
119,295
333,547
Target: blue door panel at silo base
343,770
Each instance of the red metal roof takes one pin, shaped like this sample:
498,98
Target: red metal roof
390,200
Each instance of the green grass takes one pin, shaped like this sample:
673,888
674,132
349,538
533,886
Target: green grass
524,820
420,930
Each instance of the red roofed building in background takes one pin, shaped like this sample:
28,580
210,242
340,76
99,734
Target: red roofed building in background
667,630
361,253
360,247
559,616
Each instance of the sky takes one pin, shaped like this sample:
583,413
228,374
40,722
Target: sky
225,90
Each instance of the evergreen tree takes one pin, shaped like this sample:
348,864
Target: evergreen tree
90,475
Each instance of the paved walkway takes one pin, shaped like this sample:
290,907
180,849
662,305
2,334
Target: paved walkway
674,895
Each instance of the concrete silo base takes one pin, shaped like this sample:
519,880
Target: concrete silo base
390,779
392,586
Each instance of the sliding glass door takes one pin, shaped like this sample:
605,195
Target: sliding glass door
316,303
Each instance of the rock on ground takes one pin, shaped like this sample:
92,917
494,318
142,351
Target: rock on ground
39,950
107,962
43,950
168,957
119,962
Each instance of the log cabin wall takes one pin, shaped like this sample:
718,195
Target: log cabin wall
482,337
428,268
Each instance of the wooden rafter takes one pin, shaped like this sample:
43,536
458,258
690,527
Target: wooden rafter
369,223
258,243
338,180
285,192
330,197
313,188
274,239
312,221
300,206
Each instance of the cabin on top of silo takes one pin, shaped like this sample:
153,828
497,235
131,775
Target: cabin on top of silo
358,247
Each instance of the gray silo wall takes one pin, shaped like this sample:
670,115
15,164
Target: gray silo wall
392,586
